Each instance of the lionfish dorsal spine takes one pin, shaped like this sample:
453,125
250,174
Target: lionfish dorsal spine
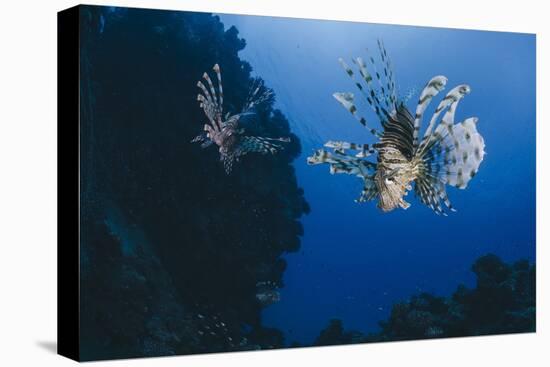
212,92
388,72
450,102
220,88
385,96
347,101
371,96
432,88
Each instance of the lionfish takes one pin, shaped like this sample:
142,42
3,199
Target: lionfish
226,131
449,153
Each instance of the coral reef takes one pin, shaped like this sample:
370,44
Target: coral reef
502,302
173,248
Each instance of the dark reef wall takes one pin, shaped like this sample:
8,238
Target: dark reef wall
172,247
503,302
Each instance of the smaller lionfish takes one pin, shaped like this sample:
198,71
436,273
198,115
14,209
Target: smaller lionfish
225,131
449,153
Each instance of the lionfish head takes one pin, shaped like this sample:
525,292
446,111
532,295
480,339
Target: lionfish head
392,187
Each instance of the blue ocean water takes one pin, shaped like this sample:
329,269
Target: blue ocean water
355,261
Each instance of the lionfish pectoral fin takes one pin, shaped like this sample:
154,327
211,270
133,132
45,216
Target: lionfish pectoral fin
258,144
343,163
227,160
364,150
198,138
404,204
369,192
203,139
431,193
207,143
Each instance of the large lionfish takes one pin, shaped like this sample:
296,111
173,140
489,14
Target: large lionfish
448,153
225,131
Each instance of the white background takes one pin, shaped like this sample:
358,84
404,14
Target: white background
28,169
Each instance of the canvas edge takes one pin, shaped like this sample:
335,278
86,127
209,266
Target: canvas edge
68,183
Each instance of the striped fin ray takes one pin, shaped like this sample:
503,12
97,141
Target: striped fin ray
428,192
203,139
369,192
220,88
452,158
205,92
347,101
352,166
450,102
212,92
208,107
341,163
432,88
388,72
228,158
340,146
254,89
258,144
372,95
379,80
256,95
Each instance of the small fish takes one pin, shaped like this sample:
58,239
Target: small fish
226,131
268,297
448,154
434,331
267,293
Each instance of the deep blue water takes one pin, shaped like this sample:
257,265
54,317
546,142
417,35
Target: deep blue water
355,261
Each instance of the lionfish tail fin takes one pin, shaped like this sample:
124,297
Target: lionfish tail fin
453,157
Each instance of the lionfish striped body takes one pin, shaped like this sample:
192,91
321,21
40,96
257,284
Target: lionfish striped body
225,131
448,154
